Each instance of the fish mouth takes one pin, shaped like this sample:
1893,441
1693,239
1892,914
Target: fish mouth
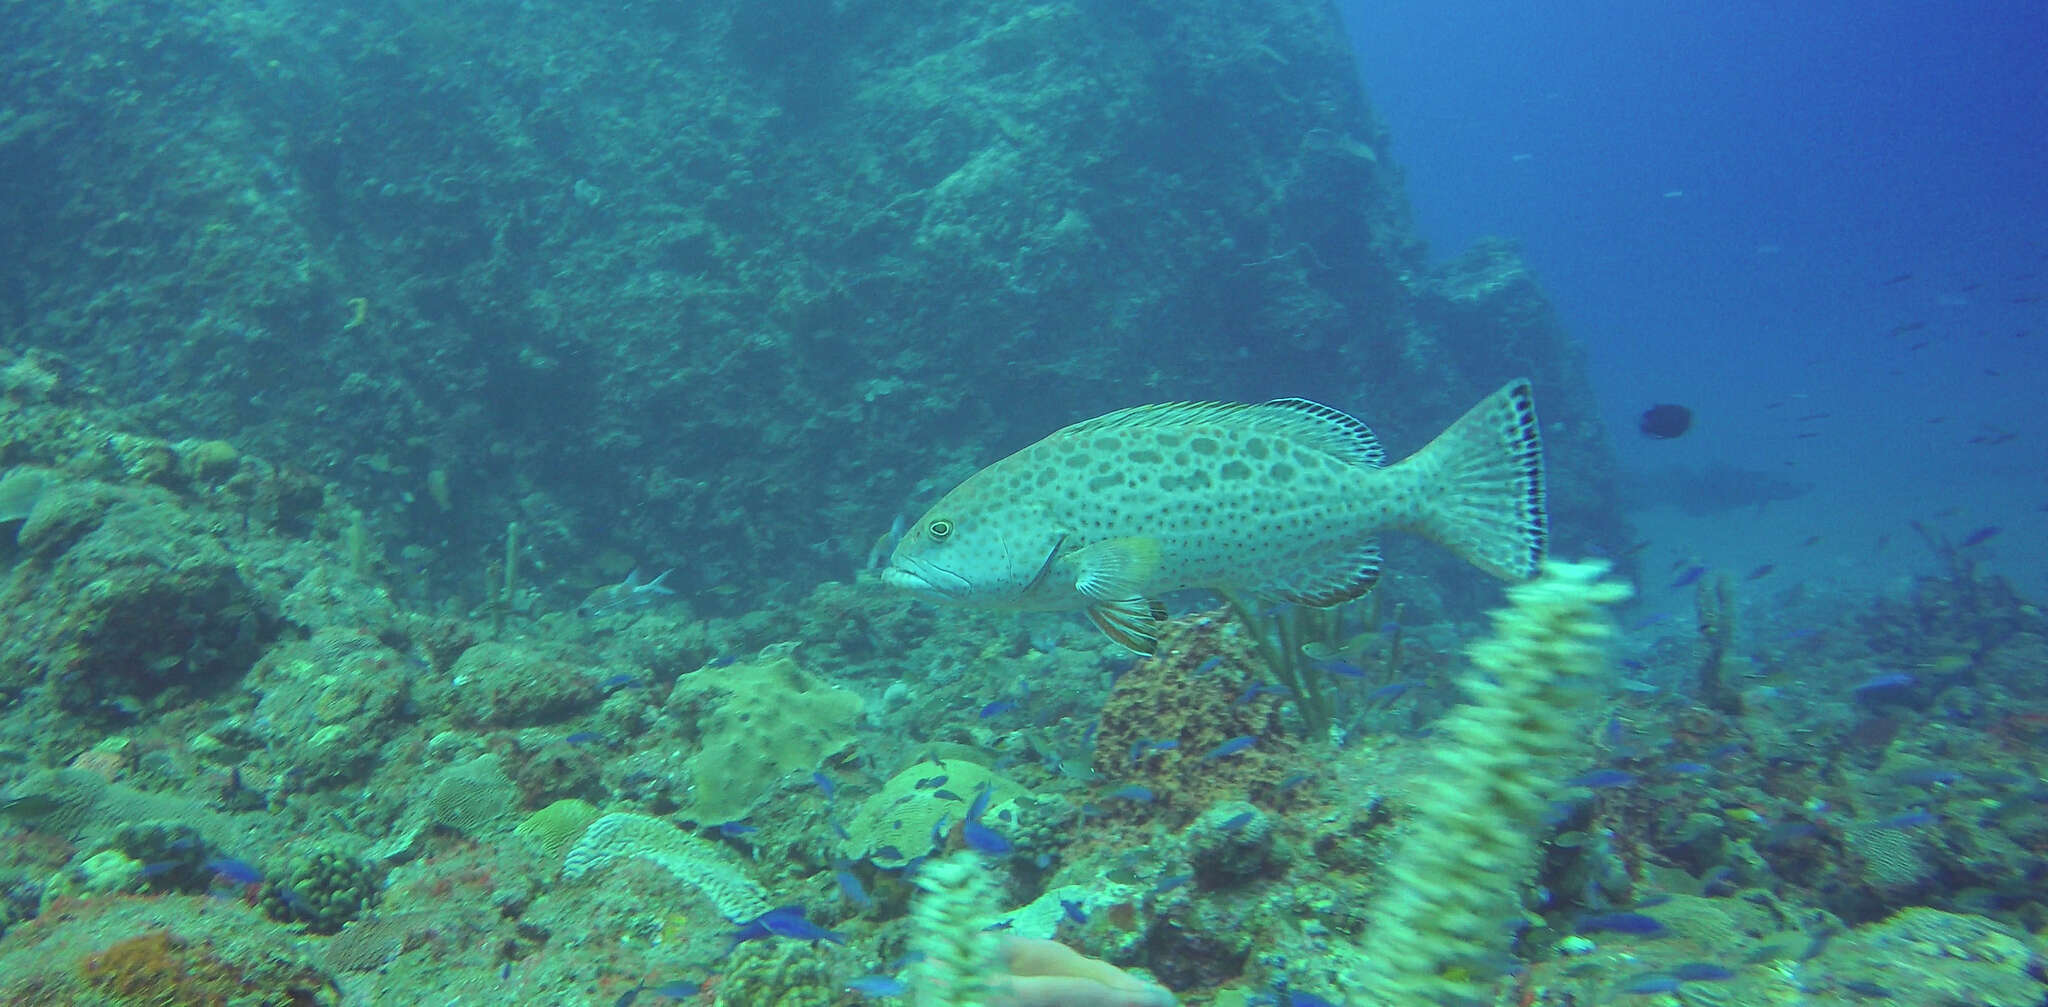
923,579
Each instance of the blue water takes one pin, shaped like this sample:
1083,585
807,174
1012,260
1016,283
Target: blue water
1715,194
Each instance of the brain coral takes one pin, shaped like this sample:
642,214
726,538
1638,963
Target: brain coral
474,798
1892,858
753,724
695,862
552,829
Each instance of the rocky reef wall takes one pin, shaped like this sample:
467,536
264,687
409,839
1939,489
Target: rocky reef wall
725,285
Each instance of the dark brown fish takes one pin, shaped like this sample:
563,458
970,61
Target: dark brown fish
1664,421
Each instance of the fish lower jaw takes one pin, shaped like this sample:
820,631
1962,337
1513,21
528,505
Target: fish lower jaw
906,580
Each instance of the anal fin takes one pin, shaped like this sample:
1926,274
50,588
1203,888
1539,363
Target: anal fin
1133,622
1345,576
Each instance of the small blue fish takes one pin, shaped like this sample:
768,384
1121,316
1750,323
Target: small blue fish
786,921
584,738
734,830
825,784
1342,669
1209,665
850,887
1703,972
237,871
1293,780
983,838
1238,821
997,708
1230,748
1165,746
1691,574
981,799
1074,910
1602,778
878,986
1688,768
1134,792
1620,923
939,828
1908,820
1169,884
1389,692
678,989
1307,1000
622,680
1979,537
947,795
1882,683
1652,983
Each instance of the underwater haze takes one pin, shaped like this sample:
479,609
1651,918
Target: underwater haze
1821,225
1100,503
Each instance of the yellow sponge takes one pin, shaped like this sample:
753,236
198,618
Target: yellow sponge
1452,883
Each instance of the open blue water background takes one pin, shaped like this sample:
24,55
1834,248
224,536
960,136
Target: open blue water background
1715,196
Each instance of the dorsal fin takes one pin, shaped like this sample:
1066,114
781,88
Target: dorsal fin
1327,428
1310,424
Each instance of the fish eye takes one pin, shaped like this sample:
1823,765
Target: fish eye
939,529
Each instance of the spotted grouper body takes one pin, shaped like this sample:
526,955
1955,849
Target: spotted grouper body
1283,499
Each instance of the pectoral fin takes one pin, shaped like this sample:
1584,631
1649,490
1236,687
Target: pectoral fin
1115,570
1131,622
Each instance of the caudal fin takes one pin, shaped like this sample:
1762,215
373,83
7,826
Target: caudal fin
1481,485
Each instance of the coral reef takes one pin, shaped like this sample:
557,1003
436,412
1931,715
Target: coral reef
753,723
323,890
694,862
1201,689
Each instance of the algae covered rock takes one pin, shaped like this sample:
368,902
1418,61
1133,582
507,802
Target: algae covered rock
498,684
1926,956
752,724
900,822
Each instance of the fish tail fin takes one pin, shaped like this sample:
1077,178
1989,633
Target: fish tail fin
1478,488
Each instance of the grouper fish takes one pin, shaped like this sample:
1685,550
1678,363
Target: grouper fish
1281,499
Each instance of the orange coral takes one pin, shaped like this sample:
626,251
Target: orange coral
161,968
1193,692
